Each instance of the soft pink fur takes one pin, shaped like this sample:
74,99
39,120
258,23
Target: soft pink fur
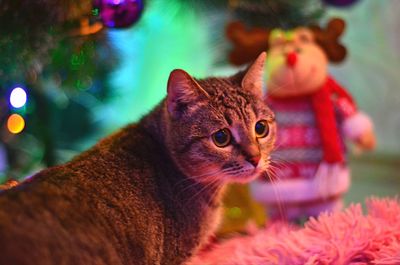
347,237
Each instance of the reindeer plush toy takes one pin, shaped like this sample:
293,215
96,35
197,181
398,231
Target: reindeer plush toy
309,173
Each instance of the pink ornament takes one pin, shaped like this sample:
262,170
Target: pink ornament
119,13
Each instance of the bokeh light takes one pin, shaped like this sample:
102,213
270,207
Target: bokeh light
15,123
18,97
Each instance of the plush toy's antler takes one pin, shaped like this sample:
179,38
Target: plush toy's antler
247,43
336,26
328,39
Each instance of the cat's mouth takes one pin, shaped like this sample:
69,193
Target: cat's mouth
244,175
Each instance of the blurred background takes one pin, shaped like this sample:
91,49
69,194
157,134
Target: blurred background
73,71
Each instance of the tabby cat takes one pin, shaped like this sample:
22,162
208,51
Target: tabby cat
150,193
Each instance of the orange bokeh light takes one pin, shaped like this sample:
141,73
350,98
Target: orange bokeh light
15,123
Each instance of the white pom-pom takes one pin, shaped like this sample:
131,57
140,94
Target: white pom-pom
356,125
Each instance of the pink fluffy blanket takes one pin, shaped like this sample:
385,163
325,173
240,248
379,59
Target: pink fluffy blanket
347,237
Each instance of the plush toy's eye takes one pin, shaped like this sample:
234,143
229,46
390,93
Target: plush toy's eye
304,38
262,129
297,50
222,138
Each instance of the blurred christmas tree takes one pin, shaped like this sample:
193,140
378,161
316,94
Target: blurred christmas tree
269,13
58,54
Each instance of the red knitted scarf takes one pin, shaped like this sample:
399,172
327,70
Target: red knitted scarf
326,122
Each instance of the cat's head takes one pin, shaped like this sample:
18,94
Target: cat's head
219,129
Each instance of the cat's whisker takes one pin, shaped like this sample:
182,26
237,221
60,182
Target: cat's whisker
278,160
206,187
210,181
193,178
280,165
276,147
273,177
211,173
212,196
205,178
188,187
273,169
236,171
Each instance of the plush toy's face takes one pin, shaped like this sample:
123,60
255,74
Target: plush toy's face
296,65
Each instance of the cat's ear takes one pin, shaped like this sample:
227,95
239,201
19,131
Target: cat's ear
182,90
253,78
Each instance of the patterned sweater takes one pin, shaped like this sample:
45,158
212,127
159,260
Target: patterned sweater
299,148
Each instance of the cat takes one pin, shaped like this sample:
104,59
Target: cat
150,193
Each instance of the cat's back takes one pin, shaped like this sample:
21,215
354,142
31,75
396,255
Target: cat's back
93,210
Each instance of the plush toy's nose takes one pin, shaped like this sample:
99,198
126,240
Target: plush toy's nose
291,59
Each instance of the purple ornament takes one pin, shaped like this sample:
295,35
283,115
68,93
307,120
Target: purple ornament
118,13
340,3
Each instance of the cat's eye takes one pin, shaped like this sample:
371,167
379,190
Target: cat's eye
262,129
222,137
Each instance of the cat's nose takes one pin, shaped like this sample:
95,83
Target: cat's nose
251,154
254,160
291,59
